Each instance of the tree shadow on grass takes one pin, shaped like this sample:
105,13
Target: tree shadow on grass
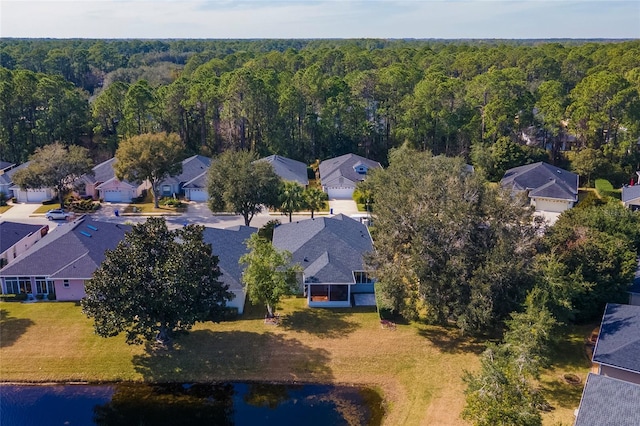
325,323
562,394
451,340
12,328
207,356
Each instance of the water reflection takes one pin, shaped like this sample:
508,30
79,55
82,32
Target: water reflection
189,404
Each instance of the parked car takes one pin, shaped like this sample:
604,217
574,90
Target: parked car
57,214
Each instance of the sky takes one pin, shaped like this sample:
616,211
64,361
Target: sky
230,19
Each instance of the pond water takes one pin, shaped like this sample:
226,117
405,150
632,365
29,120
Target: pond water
126,404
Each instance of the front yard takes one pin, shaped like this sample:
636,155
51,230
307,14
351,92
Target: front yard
416,367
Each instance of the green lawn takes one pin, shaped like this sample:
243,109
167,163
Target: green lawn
416,367
46,207
4,208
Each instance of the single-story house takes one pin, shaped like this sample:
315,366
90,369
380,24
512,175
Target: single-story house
228,245
16,238
617,349
288,169
103,184
550,188
331,252
63,260
32,195
192,168
340,175
631,195
608,401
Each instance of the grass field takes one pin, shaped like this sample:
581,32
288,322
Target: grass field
417,368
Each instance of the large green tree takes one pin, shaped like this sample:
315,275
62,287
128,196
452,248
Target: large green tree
239,184
54,166
588,259
269,274
151,156
447,242
155,283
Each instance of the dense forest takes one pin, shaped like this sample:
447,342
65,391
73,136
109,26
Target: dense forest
496,103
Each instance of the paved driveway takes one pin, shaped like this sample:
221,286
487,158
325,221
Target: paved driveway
346,207
23,213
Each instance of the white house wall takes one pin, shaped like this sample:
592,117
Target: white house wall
238,301
33,195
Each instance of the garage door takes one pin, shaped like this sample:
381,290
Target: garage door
340,193
114,196
37,195
547,205
198,195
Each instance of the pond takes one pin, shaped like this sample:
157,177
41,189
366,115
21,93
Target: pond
193,404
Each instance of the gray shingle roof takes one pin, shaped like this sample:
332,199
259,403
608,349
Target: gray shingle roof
332,169
104,172
618,343
5,165
288,169
67,252
7,177
12,232
228,245
191,168
630,193
542,180
328,248
607,401
199,181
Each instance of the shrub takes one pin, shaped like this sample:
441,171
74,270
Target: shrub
48,202
51,296
40,296
173,202
3,199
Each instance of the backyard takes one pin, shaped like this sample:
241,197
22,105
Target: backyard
417,368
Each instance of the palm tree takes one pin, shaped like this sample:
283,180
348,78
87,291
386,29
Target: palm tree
315,199
291,198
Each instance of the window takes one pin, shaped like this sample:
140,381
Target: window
361,277
65,283
11,284
25,284
51,288
41,285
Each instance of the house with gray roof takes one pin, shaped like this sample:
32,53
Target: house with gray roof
193,167
61,262
340,175
608,401
103,184
31,195
16,238
331,252
631,194
617,350
288,169
196,189
550,188
228,245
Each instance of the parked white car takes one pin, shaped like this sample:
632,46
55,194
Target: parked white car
57,214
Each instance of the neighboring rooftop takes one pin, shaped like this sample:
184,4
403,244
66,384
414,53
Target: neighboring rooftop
191,168
542,180
12,232
618,343
6,178
607,401
4,165
72,250
328,248
351,167
228,245
288,169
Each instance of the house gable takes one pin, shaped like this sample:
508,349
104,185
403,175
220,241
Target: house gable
345,170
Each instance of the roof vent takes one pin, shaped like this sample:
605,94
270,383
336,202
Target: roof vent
86,234
559,172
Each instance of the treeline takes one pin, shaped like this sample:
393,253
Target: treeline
496,103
